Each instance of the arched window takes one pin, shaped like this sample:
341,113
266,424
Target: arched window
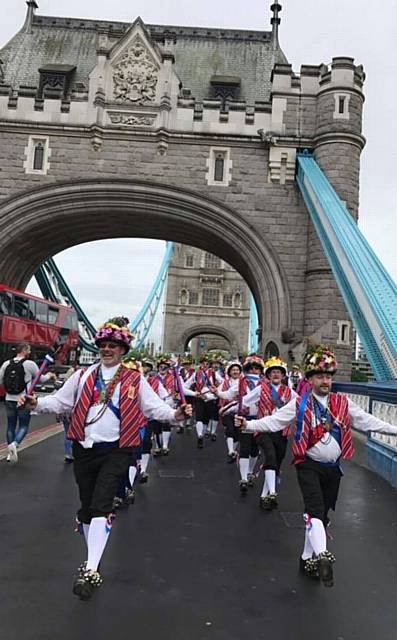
271,350
212,262
237,300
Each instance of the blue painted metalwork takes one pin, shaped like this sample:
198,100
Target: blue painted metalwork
54,287
381,456
142,323
254,323
369,292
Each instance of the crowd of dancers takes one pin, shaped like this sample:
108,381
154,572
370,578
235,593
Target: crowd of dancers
121,412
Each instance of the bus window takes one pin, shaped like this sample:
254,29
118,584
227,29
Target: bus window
41,312
21,307
5,303
32,309
52,315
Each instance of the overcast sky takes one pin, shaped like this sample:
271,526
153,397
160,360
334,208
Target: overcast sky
311,32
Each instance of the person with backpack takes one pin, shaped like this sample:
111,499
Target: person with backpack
15,375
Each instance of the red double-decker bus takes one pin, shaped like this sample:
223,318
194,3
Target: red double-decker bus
44,324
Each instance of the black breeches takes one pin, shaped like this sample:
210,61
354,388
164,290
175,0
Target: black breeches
98,473
230,430
274,447
319,485
248,446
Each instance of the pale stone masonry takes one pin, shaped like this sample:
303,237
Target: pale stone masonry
205,299
137,118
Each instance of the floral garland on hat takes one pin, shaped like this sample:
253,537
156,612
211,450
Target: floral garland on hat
320,360
115,330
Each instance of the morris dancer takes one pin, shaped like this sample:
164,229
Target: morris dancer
108,404
228,388
202,381
163,431
253,369
270,396
322,423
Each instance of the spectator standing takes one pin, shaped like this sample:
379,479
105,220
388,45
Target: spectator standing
16,375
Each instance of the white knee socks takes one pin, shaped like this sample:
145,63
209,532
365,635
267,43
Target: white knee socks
131,475
166,439
230,445
243,464
252,463
86,528
317,535
144,462
97,538
270,478
213,426
307,549
199,429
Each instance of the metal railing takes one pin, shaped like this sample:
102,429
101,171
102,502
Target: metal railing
379,399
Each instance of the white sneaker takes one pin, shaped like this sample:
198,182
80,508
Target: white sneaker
12,452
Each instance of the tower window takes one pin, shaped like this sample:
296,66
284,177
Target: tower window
219,170
344,332
342,102
212,262
193,297
219,167
211,297
227,299
189,262
38,157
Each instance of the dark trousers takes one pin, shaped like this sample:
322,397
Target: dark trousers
248,446
230,430
319,485
274,447
98,472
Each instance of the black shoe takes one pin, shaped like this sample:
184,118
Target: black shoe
325,570
230,458
165,451
207,434
180,430
273,500
117,503
86,582
143,478
251,479
243,484
309,567
83,589
200,443
129,497
265,503
157,452
69,459
213,437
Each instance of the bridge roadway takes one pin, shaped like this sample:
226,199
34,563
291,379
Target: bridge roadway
192,559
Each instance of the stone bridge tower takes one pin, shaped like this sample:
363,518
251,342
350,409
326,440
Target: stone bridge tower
111,129
205,297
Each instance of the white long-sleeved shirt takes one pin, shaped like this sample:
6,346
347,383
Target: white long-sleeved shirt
205,390
107,428
328,449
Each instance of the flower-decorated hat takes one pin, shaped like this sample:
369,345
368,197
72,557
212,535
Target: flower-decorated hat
115,330
253,361
275,363
320,360
164,358
234,363
131,363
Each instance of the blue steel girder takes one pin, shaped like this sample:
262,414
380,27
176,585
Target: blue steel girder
369,292
142,323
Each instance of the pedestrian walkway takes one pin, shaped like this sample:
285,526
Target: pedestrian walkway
192,560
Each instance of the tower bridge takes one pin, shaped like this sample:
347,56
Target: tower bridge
204,137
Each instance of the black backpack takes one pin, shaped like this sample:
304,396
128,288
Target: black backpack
14,377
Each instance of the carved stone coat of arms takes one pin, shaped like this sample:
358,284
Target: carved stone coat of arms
135,76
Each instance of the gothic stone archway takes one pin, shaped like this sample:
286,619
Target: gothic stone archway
202,329
47,220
